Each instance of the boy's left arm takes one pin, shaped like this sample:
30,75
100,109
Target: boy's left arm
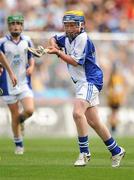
30,68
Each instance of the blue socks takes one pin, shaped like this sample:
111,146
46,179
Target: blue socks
110,143
18,141
83,144
112,146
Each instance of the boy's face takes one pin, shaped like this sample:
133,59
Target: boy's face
71,28
15,28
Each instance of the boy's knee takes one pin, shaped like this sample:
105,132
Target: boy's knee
77,115
29,113
25,115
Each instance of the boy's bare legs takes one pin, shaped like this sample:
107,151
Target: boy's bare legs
101,129
80,107
93,120
84,115
14,109
28,106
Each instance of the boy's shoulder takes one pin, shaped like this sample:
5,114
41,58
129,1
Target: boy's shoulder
60,35
25,37
3,39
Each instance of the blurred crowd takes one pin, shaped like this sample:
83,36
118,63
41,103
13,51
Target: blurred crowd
46,15
50,79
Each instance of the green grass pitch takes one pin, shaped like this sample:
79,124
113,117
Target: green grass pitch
52,159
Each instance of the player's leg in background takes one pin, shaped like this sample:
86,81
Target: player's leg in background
80,107
14,109
101,129
113,119
28,109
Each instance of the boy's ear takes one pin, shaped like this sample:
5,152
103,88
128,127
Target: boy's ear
83,24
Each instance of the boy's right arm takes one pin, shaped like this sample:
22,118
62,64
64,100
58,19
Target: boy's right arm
52,42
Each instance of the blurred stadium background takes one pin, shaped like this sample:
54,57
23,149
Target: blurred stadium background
110,24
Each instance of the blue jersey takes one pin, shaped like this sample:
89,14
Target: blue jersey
18,57
82,50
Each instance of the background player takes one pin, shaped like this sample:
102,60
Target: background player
116,94
14,45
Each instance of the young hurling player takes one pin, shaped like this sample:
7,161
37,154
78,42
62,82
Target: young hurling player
14,46
4,62
79,54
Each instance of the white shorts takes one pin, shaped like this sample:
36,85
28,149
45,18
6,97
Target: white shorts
88,92
11,99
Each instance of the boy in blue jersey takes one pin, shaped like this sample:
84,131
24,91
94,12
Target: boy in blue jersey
14,46
79,54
